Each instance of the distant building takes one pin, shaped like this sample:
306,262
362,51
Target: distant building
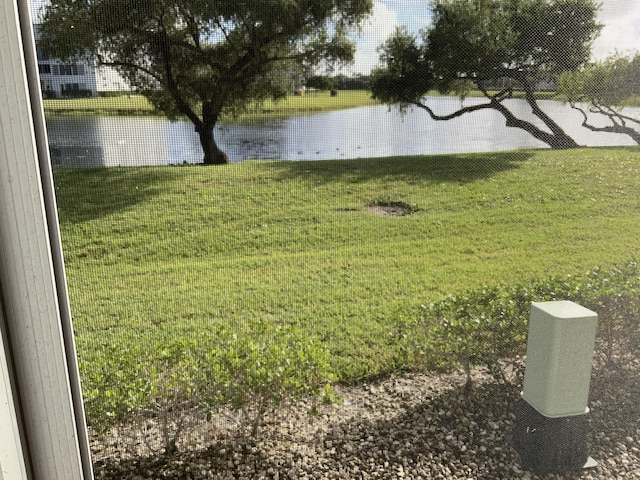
546,84
110,81
63,79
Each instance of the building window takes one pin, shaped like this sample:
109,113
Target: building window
72,69
66,69
44,68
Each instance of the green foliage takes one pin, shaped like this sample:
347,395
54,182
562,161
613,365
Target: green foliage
204,59
470,39
514,43
158,254
606,87
484,42
476,327
266,374
132,105
488,326
319,82
124,382
407,74
610,83
552,36
357,81
240,373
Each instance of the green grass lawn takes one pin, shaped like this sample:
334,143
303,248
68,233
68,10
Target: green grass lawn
313,102
121,105
163,255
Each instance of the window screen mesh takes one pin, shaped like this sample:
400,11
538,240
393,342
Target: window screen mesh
348,298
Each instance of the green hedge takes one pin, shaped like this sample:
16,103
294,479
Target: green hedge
481,327
488,326
240,374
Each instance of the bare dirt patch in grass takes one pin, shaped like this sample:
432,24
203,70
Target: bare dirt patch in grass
391,209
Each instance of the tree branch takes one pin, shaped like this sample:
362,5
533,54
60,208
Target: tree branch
131,66
457,113
613,114
511,120
615,128
170,81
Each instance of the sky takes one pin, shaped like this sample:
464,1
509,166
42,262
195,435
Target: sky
621,31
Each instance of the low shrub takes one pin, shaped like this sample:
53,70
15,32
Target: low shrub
250,374
488,326
240,374
260,375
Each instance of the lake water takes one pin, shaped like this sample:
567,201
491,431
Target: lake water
364,132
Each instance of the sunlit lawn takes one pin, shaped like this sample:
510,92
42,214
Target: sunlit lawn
312,102
155,255
120,105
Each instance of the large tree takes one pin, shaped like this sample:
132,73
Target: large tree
483,44
203,58
602,90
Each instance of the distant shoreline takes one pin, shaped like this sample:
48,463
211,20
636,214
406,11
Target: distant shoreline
137,105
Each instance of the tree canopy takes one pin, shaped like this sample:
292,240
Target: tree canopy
602,90
203,58
482,43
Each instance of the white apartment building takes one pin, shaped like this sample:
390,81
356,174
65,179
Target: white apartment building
63,79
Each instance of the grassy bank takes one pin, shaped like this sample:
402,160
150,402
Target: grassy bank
121,105
163,259
313,102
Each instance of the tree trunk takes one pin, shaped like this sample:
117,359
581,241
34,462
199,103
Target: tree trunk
210,114
212,154
559,139
556,138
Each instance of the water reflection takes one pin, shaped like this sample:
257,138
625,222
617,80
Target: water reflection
362,132
119,141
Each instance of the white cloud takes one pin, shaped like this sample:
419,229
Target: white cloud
386,16
621,31
376,30
412,14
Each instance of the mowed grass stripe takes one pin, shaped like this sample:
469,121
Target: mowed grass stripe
161,254
131,105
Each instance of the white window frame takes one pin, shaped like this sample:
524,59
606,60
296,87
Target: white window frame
12,458
42,422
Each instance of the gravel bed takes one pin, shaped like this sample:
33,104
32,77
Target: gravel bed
411,426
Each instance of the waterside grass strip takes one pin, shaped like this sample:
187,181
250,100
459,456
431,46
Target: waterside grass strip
134,105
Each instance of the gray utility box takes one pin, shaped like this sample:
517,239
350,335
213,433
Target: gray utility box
550,431
559,355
